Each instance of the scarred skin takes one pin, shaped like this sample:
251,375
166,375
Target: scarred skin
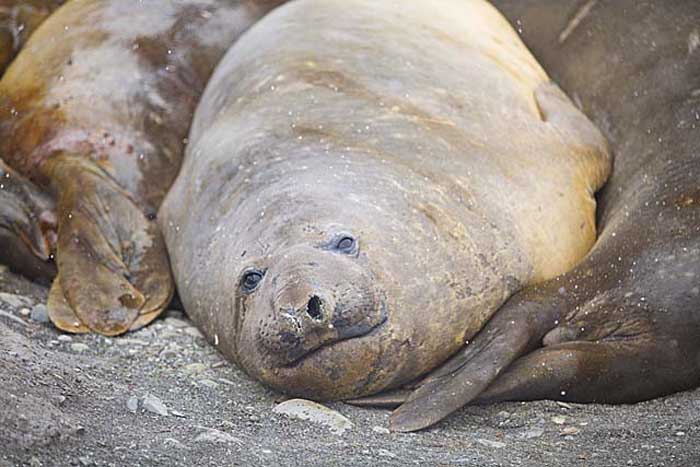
624,325
95,111
366,183
18,19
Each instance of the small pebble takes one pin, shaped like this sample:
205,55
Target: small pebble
531,433
570,431
381,430
680,433
192,331
491,444
216,436
128,341
174,314
195,368
559,419
173,443
64,338
177,323
25,312
385,453
155,405
40,313
132,404
78,347
208,383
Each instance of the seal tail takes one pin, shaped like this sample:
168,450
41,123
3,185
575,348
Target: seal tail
113,270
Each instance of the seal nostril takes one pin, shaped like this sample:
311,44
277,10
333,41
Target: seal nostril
313,308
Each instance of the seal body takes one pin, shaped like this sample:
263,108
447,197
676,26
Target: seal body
366,183
18,19
624,325
96,110
631,330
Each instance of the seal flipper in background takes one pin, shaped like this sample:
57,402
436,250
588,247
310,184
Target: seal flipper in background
27,226
113,267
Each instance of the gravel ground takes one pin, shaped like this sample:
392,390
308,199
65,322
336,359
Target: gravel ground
163,396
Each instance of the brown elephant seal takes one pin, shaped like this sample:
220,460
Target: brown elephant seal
96,109
366,183
624,325
18,19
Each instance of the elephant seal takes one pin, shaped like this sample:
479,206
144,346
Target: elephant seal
624,325
18,19
95,111
366,183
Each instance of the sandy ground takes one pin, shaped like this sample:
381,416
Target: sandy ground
88,400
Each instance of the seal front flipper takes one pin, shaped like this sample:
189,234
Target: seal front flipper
27,226
515,329
113,268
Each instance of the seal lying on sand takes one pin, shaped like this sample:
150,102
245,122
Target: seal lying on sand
624,325
95,109
366,183
18,19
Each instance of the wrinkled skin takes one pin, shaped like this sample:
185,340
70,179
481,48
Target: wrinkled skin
366,183
624,325
95,111
18,19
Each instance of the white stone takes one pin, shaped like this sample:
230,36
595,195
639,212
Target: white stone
307,410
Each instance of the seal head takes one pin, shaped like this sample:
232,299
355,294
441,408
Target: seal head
314,296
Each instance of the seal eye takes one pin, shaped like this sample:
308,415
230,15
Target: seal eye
345,244
251,279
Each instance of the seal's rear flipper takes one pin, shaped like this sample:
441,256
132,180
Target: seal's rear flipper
113,268
626,356
604,372
516,329
27,226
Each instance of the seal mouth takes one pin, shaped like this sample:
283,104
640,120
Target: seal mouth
367,332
